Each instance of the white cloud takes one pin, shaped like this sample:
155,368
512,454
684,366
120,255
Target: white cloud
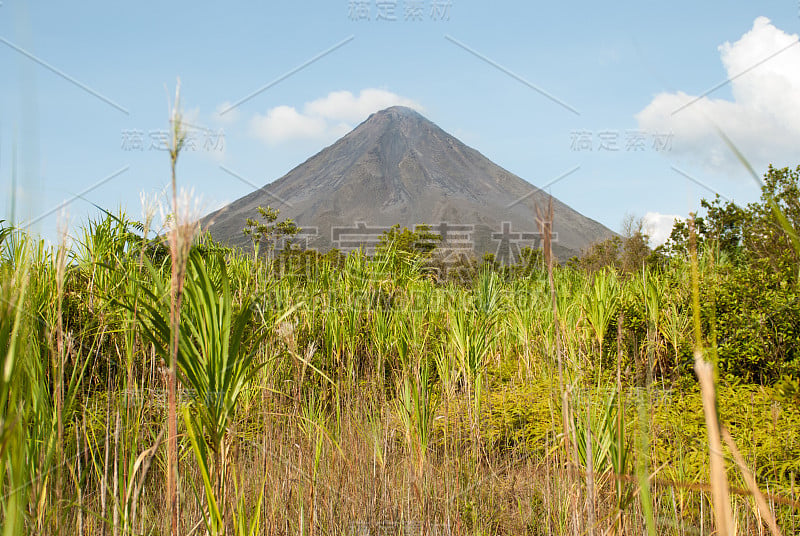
327,118
762,120
344,106
285,123
659,226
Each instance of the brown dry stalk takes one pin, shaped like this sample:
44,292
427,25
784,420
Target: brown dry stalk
763,507
705,374
719,481
545,229
61,265
179,247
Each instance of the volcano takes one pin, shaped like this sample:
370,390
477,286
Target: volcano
397,167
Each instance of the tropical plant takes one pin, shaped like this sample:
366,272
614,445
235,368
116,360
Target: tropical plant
216,359
268,231
600,306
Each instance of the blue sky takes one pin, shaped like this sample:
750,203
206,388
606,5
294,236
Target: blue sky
533,86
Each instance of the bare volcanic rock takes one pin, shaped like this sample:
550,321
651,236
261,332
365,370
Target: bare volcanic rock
398,167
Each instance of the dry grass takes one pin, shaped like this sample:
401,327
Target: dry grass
377,402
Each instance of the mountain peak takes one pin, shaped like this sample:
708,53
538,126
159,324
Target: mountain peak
394,115
403,111
397,167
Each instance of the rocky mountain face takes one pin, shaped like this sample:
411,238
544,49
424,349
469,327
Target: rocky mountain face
398,167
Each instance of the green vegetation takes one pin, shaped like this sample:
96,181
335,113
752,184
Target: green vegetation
267,230
346,395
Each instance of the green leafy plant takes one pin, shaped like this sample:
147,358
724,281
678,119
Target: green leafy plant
216,360
600,306
268,231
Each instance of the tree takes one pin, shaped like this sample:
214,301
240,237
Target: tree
420,241
268,231
772,226
722,227
635,250
750,294
764,231
625,253
677,245
601,255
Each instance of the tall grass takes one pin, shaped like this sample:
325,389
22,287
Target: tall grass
367,398
348,401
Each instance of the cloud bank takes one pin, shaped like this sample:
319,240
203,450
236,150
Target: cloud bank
324,119
659,227
762,120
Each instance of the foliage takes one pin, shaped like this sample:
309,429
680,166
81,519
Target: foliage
625,253
282,358
757,322
268,231
420,241
762,231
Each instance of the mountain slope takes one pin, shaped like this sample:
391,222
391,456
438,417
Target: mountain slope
398,167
